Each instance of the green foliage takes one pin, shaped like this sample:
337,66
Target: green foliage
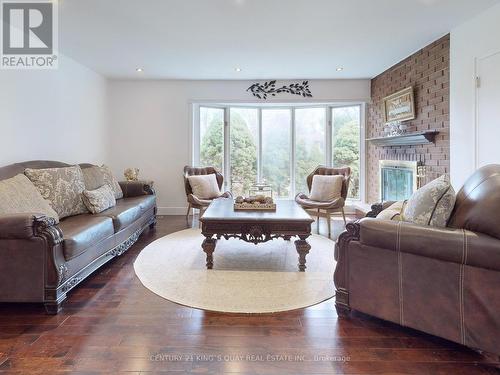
212,145
243,156
243,152
346,153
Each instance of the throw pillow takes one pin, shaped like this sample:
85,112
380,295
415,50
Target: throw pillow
99,199
326,188
204,186
110,180
93,177
393,212
62,187
19,195
432,204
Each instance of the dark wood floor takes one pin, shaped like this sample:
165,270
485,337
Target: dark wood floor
112,324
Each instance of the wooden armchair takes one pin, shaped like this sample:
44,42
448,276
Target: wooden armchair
325,209
194,201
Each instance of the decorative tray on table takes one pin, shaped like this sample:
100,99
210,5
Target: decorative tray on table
254,203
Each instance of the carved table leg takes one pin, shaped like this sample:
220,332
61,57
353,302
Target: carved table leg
303,249
208,247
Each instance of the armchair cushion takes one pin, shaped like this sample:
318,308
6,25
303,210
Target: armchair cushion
306,203
204,186
326,188
197,202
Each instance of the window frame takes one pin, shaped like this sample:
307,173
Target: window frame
328,106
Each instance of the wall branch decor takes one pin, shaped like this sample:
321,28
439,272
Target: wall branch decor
263,90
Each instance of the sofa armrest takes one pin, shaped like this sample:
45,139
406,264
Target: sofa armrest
25,226
136,188
450,245
378,208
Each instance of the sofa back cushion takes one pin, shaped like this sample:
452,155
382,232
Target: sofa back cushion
99,199
432,204
62,187
326,188
110,180
93,177
478,203
19,195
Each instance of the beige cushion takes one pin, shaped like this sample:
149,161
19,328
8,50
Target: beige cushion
432,204
204,186
99,199
62,187
326,188
93,177
393,212
19,195
110,180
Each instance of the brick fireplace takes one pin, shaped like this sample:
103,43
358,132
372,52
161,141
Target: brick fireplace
428,72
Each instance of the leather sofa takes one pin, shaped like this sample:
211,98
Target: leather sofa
441,281
41,261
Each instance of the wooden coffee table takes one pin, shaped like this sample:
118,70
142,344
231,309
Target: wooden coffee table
289,220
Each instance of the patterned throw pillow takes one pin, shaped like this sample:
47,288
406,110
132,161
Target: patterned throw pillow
62,187
431,204
18,195
393,212
110,180
99,199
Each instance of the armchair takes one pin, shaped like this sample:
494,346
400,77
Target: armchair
325,209
442,281
194,201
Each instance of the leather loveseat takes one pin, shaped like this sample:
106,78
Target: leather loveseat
41,261
441,281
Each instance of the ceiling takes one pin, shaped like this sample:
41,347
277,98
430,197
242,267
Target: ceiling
285,39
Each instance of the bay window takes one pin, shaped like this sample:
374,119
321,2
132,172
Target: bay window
278,145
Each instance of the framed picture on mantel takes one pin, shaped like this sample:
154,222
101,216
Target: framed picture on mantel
399,106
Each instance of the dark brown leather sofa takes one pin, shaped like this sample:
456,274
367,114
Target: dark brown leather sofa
445,282
41,261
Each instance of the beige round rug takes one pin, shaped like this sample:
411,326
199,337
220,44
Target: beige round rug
246,278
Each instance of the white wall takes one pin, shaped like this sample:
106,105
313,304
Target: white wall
151,124
53,114
470,41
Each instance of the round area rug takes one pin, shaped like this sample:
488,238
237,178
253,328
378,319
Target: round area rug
246,278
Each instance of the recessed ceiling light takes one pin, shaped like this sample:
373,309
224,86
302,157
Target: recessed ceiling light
339,69
237,69
139,70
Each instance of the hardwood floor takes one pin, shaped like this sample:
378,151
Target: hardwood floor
111,324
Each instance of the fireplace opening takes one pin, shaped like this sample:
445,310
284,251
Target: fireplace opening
398,179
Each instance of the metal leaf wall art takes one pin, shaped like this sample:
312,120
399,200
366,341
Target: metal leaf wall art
263,90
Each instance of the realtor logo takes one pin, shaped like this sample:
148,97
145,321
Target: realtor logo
29,35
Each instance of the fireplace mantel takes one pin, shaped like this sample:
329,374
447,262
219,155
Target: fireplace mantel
418,138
